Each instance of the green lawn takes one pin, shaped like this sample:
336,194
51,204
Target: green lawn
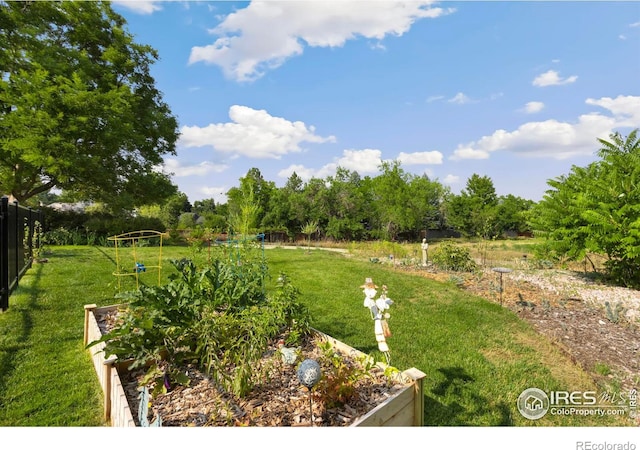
477,356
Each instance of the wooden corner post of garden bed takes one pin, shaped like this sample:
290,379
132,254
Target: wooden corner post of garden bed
418,381
88,309
404,409
109,366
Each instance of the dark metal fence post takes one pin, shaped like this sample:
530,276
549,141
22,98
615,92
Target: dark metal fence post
30,238
16,243
4,253
17,232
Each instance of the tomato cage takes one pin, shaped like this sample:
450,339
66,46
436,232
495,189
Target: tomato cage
132,255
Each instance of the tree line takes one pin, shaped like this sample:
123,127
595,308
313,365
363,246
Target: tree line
347,206
343,207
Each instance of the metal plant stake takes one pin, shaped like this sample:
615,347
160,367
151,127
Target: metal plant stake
501,270
143,410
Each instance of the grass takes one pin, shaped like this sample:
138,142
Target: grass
477,356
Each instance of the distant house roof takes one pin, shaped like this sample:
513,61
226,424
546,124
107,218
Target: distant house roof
76,207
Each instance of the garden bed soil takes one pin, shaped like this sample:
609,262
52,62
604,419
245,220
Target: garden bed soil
279,398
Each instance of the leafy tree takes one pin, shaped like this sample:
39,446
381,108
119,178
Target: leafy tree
243,218
285,211
203,207
214,222
481,189
79,110
474,211
597,209
346,205
172,209
426,203
512,213
558,217
254,188
315,202
391,199
294,183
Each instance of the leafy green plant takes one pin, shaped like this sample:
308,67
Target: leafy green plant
219,317
37,246
338,384
602,369
456,280
308,229
78,237
58,236
449,256
613,314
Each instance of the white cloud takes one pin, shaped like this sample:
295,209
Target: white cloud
362,161
434,98
303,172
626,109
264,35
466,152
622,37
552,78
459,99
204,168
139,6
559,140
451,179
533,107
377,46
635,24
252,133
218,193
419,158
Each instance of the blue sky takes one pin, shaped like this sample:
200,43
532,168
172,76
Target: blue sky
517,91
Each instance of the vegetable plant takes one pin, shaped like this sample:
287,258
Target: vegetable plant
218,316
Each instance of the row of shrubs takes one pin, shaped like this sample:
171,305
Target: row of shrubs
77,228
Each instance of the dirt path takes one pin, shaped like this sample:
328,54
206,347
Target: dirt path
298,247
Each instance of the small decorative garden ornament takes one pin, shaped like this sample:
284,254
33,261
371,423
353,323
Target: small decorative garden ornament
425,248
309,373
289,354
379,313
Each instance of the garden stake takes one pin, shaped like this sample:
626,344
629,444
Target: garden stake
501,270
309,374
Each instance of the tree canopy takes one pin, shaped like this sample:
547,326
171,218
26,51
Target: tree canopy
79,110
597,209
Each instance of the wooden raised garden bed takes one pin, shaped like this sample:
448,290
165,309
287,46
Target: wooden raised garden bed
404,407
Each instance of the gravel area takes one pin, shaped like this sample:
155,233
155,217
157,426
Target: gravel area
570,285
